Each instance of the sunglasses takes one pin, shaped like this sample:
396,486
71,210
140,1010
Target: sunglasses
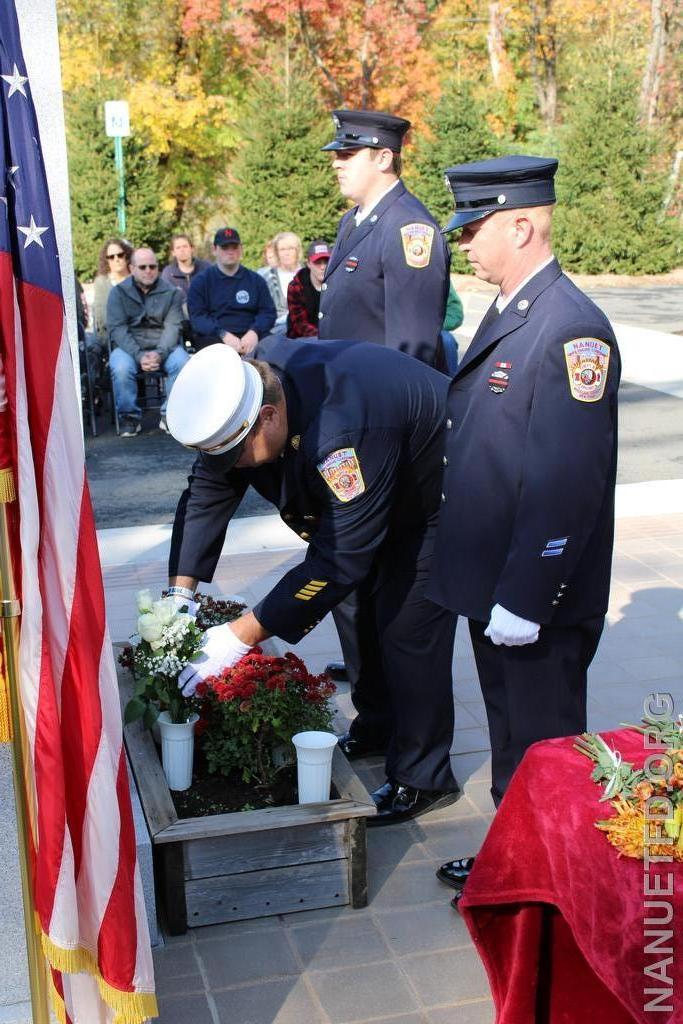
146,266
116,255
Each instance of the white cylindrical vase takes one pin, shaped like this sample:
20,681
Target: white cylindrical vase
177,750
314,752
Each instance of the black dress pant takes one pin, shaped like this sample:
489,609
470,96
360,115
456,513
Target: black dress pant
533,692
398,650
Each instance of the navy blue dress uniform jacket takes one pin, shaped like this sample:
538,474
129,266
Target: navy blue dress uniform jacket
359,478
531,450
380,286
218,302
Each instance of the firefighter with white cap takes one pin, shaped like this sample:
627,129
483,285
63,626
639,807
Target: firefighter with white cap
346,440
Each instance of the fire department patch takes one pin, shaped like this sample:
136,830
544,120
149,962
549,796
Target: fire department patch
342,473
417,244
587,364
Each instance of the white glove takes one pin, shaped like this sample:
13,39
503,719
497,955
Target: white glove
511,630
220,649
182,602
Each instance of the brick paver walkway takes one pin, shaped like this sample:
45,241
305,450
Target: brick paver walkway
407,957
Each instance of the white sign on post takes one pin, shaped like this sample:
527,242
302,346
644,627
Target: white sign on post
116,118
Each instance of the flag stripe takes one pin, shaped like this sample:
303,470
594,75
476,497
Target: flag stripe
86,881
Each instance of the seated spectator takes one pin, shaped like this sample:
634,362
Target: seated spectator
113,268
144,315
229,303
289,256
183,265
303,294
269,258
90,349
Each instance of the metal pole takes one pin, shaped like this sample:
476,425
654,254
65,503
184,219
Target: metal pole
10,612
121,205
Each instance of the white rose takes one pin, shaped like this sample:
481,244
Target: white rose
144,600
164,610
149,627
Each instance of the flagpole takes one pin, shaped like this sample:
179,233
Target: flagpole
10,611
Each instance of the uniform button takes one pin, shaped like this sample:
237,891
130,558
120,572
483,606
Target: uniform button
443,498
288,517
305,536
320,316
555,603
445,461
323,287
449,424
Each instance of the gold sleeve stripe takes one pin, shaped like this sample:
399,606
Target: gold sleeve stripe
310,589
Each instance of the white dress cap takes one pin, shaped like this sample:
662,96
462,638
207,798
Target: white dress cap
215,400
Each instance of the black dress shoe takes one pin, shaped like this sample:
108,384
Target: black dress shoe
354,747
456,899
396,802
336,670
456,872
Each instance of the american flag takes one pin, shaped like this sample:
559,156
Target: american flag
86,882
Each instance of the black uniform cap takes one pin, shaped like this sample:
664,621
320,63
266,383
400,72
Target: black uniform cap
357,129
507,183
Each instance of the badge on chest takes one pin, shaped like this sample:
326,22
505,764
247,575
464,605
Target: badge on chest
499,378
351,264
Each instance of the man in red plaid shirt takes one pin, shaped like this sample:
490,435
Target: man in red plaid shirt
303,294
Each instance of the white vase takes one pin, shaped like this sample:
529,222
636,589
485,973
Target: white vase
314,752
177,750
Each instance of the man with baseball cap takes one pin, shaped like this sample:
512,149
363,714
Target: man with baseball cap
387,279
525,537
303,294
346,440
228,303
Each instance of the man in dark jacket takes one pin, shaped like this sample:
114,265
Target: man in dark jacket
387,279
144,315
346,440
524,544
228,303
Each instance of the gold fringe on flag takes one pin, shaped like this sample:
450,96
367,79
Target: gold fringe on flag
57,1002
8,491
6,734
128,1007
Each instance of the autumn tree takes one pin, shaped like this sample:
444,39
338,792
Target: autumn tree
280,181
366,53
183,95
611,185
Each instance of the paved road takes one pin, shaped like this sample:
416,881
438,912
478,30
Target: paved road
654,306
138,480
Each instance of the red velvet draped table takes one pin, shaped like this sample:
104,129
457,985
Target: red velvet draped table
558,917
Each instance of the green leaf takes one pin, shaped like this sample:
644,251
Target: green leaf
150,716
135,709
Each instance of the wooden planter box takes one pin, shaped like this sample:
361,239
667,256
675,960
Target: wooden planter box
228,867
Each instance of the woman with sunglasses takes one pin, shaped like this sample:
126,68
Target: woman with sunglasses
113,268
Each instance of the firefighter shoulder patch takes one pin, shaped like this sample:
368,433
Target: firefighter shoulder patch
587,362
417,244
342,473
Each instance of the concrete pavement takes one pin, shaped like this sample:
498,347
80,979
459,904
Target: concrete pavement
407,957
